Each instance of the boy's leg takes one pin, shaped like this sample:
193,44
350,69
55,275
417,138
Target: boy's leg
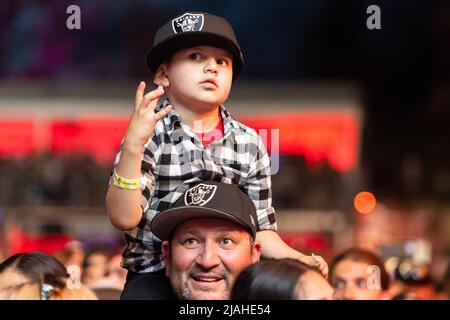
147,286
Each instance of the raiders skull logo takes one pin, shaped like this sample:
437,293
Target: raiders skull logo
199,195
188,22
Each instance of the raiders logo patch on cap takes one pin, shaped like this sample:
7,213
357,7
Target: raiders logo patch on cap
199,195
188,22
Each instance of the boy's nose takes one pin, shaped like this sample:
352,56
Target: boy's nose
211,65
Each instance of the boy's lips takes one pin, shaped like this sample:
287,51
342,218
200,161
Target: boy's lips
210,80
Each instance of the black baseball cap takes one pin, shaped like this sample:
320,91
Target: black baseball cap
192,29
209,199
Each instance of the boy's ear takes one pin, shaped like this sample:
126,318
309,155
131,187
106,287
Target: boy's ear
160,78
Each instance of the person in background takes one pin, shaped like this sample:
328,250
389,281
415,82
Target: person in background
72,254
39,276
111,285
281,279
443,286
95,265
359,274
413,281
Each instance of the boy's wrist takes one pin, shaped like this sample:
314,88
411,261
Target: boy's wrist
132,148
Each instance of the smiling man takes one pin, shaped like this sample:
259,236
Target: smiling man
208,239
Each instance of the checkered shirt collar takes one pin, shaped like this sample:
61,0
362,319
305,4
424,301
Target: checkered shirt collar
172,121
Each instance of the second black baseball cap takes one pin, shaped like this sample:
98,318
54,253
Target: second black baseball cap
192,29
208,199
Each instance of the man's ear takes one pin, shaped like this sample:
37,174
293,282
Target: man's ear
165,248
161,78
256,251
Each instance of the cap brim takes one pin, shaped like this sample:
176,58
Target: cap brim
164,223
191,39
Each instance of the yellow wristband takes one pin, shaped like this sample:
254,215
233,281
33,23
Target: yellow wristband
124,183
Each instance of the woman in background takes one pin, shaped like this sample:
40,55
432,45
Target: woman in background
280,279
38,276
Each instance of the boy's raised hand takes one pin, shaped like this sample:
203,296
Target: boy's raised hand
144,118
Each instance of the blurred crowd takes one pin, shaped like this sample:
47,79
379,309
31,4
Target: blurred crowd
78,273
78,180
50,179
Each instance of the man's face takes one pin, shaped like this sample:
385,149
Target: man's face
205,256
352,279
199,77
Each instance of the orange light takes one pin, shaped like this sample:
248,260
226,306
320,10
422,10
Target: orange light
364,202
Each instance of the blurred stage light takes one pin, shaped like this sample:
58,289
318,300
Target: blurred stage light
364,202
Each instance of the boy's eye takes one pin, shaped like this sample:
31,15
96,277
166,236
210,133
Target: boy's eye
222,62
194,56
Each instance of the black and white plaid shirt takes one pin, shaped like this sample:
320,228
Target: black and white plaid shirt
175,158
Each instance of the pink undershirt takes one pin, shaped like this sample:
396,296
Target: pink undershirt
213,134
